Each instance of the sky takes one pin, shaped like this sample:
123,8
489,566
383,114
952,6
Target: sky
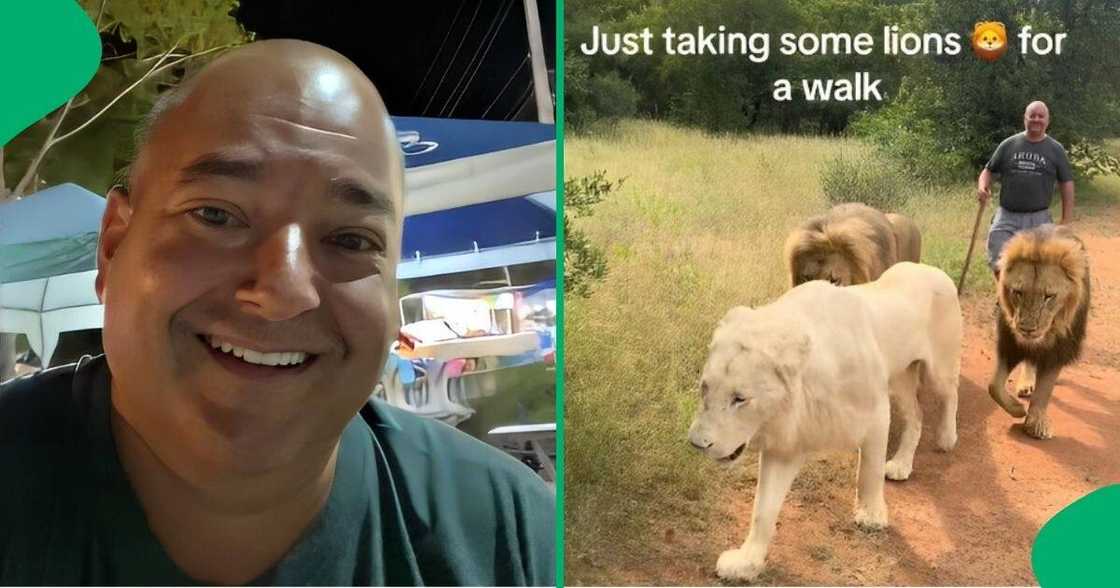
453,59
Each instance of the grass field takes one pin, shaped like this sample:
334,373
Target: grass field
697,227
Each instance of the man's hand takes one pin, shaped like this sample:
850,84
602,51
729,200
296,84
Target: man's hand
984,186
983,194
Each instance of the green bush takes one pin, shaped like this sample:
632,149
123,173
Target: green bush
906,133
594,100
873,180
584,263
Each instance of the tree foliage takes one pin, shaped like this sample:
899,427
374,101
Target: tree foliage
720,92
942,115
584,263
149,40
952,112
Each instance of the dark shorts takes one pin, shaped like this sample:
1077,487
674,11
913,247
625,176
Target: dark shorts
1004,226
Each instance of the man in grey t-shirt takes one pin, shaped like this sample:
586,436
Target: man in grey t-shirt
1029,164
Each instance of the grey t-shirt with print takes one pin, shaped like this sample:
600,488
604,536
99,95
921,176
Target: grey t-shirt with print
1028,172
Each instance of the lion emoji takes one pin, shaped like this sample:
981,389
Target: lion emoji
989,40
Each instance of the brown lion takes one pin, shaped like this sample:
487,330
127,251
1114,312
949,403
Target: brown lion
1044,308
850,244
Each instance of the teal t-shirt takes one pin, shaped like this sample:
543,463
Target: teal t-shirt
414,501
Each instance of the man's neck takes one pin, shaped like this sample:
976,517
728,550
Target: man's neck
1035,138
233,528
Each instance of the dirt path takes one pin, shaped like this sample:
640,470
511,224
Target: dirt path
968,517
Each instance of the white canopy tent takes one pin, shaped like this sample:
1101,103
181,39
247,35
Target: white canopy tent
48,243
44,308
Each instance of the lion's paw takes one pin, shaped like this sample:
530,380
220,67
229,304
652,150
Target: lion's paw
1037,425
741,564
947,440
1012,406
872,518
897,469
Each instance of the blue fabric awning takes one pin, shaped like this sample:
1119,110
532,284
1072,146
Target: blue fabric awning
58,212
478,226
479,194
428,141
49,233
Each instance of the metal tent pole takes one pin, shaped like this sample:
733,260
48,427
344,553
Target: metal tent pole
541,88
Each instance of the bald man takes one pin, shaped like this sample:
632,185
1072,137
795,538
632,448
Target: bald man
248,273
1029,164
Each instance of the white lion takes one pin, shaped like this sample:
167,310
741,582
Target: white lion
816,370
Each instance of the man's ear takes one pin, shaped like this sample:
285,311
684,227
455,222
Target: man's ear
114,225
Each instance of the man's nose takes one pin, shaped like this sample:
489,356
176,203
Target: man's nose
283,282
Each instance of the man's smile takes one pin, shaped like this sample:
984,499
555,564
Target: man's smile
247,361
259,357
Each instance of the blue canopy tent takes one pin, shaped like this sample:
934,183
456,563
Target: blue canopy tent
48,233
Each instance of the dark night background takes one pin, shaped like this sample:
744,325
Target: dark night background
454,59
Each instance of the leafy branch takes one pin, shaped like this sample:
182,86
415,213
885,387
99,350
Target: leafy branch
584,263
160,36
51,140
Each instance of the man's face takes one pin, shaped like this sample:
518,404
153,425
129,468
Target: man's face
1036,120
251,295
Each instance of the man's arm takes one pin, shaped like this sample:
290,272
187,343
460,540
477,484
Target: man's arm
1067,202
984,186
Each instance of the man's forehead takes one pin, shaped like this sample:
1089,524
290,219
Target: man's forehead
308,107
322,101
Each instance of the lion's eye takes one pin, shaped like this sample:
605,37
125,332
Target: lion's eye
1049,298
739,400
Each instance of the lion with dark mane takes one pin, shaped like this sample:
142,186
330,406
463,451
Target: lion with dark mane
850,244
1044,308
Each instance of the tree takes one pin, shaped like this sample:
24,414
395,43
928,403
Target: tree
149,46
584,263
952,112
719,93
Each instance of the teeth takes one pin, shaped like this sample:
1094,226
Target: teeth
258,357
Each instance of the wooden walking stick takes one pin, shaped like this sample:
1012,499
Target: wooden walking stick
971,245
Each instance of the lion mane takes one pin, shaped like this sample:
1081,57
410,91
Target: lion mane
862,240
1057,246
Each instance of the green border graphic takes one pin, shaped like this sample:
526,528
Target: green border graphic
51,51
560,338
1077,547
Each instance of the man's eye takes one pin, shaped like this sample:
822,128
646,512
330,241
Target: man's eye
212,215
354,242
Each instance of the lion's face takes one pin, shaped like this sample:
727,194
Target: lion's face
745,381
989,40
1032,295
830,267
